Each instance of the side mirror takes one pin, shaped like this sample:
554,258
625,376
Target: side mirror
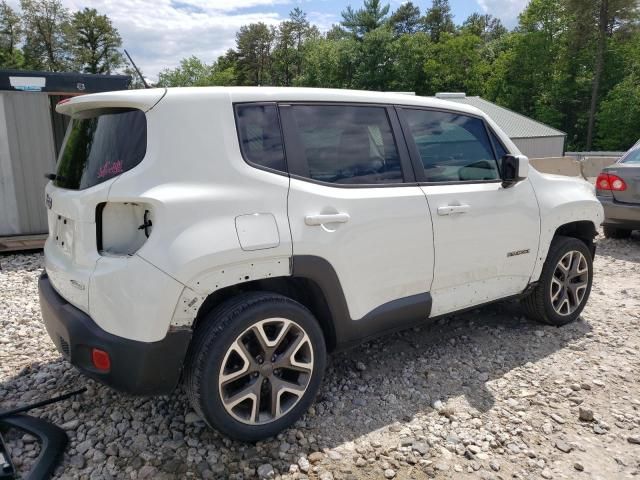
514,169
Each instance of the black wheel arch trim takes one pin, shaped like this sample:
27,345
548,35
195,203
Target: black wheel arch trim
389,317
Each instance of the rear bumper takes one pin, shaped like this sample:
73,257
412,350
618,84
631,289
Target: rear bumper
623,215
139,368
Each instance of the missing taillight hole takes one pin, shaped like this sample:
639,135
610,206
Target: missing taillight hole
122,227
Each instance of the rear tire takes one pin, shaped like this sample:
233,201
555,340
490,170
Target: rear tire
614,232
564,285
255,365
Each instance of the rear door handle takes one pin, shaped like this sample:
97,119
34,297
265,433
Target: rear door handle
453,209
312,220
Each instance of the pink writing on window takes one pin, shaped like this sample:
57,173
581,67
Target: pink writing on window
110,168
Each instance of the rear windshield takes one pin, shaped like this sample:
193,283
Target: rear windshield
632,156
100,145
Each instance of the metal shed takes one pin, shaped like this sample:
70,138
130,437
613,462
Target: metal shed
533,138
31,134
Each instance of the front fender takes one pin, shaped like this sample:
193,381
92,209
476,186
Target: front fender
562,200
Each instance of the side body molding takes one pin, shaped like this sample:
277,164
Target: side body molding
389,317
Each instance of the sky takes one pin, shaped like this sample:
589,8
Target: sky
158,33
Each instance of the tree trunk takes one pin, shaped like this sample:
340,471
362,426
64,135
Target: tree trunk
603,23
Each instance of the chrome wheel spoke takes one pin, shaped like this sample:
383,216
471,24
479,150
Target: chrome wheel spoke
250,393
557,285
280,387
241,351
288,358
268,344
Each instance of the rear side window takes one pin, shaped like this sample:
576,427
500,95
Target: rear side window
101,144
452,147
632,156
260,136
347,144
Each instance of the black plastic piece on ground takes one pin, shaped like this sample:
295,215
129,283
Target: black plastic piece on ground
53,441
7,470
26,408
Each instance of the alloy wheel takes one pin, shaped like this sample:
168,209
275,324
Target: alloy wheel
569,283
266,371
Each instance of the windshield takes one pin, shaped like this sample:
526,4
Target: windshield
100,145
632,156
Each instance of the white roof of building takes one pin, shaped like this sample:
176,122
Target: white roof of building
513,124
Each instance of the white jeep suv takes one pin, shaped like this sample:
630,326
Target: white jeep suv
229,238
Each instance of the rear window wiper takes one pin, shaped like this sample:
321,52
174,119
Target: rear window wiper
54,176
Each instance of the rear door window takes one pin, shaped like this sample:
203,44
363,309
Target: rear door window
346,144
452,147
260,136
101,144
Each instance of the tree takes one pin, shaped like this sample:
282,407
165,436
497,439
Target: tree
374,60
525,67
10,36
406,19
44,25
619,116
487,27
288,52
329,62
93,42
253,47
438,20
366,19
410,54
191,72
602,17
455,64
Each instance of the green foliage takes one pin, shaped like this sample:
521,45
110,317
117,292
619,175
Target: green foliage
366,19
253,49
410,54
43,35
11,34
406,19
44,23
618,119
438,20
488,27
455,64
193,72
93,42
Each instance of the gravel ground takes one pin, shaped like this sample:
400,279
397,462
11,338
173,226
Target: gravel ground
487,394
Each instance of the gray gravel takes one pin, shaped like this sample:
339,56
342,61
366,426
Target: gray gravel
487,394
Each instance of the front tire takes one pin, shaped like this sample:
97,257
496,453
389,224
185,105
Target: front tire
255,366
565,283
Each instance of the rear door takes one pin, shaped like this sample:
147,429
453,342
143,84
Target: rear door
485,235
353,201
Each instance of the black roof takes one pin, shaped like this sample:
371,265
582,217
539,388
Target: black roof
61,82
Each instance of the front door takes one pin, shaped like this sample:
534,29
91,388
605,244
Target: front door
350,205
485,236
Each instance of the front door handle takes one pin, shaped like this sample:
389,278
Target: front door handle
312,220
453,209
